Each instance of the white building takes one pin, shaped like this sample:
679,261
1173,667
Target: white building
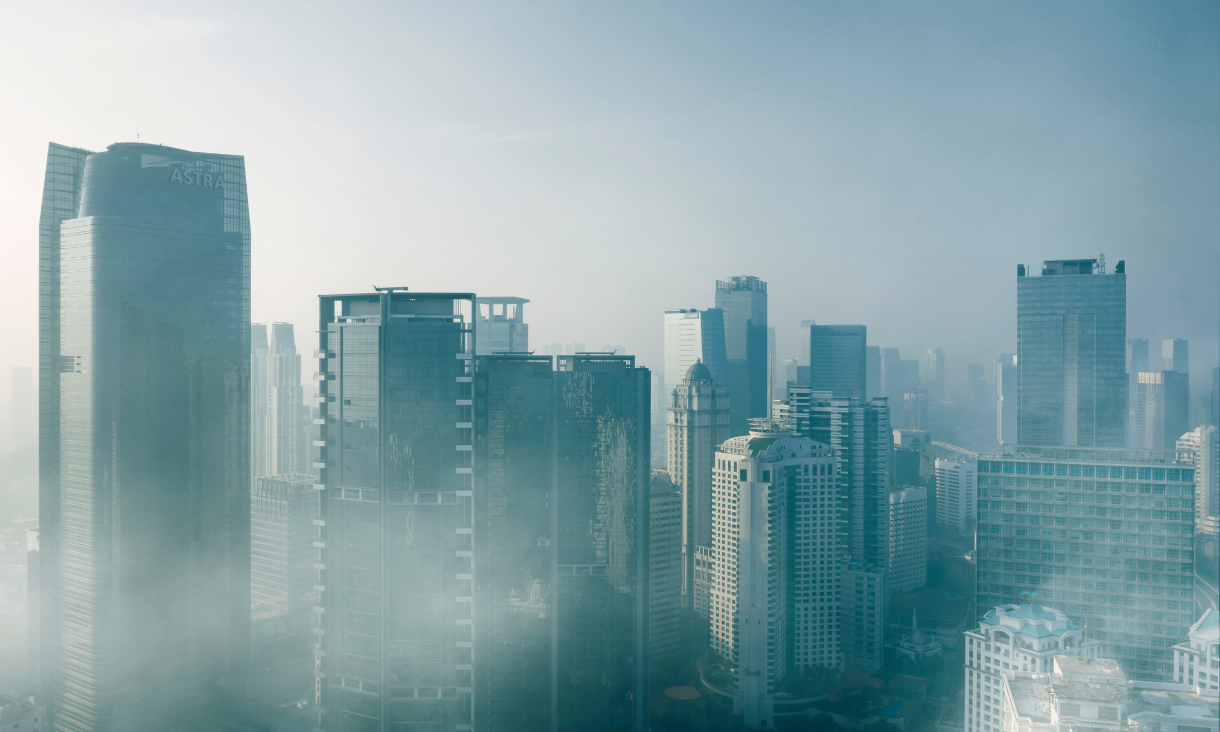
500,325
908,543
697,424
774,580
1202,446
693,336
1197,661
1009,639
276,402
956,495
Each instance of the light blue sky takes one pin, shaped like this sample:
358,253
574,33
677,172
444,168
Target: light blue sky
883,163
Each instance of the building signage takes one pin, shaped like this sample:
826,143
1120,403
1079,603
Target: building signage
185,177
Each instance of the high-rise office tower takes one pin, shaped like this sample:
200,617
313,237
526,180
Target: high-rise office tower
774,587
773,384
898,375
743,301
915,465
1175,353
1071,333
863,611
1162,412
501,325
698,424
907,564
862,440
1137,363
21,408
978,391
838,360
915,410
1202,446
282,553
664,570
144,459
694,336
934,373
395,576
956,494
872,371
1006,398
260,401
284,403
561,524
1105,534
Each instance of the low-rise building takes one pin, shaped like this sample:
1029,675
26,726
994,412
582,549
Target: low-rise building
1197,661
19,715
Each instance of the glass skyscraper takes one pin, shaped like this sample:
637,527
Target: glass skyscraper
743,302
144,312
837,359
1107,535
1071,355
561,532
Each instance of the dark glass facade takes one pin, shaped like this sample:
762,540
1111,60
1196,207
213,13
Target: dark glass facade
1106,536
395,617
743,301
144,485
837,359
561,543
1071,356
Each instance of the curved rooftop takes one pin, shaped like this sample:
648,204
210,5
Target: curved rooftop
698,372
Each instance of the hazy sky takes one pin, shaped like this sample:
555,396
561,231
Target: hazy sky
878,163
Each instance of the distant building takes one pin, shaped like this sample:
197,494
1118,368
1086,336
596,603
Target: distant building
665,569
743,301
863,611
698,423
500,325
915,410
1071,334
837,359
907,568
1197,661
898,376
1137,363
934,373
942,617
1163,409
1006,398
1012,638
917,645
956,492
694,336
282,532
1202,446
1123,519
872,371
774,592
1175,353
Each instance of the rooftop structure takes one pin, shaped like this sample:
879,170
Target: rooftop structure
500,325
1197,661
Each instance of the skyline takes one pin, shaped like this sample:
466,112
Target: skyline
782,144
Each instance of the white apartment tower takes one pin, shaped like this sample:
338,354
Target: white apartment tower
698,423
774,581
907,568
1012,639
1202,446
956,495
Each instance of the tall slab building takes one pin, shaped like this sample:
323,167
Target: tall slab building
144,497
837,359
743,301
561,532
1071,341
694,336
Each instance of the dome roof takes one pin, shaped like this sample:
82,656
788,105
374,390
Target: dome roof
698,372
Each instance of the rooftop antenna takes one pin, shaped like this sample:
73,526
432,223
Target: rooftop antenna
388,289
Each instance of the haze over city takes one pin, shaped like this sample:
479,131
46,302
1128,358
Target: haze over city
679,367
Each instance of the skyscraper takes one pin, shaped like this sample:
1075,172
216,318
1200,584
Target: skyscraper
743,301
1137,363
934,373
1202,446
1106,534
1175,353
1006,398
501,325
838,360
664,570
956,489
898,375
396,576
284,403
144,311
694,336
1162,412
698,424
774,587
907,563
863,610
561,524
282,554
1071,333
